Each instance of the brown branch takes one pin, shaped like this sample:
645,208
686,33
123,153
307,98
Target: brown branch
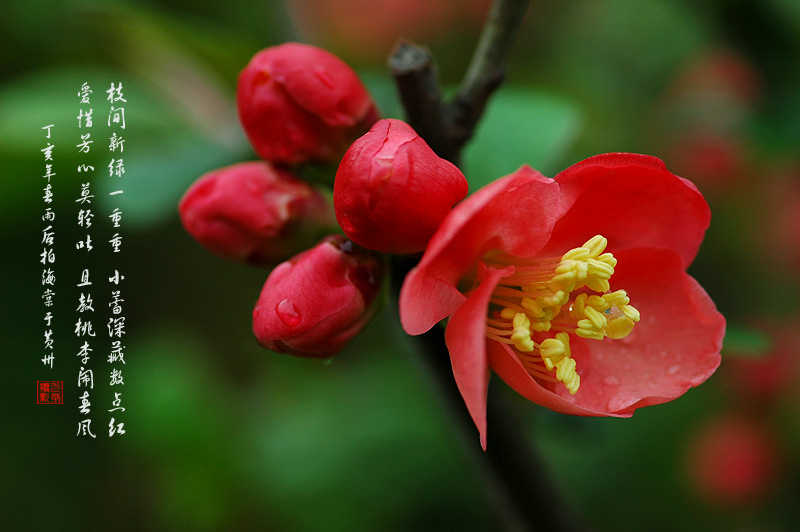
417,80
486,71
447,127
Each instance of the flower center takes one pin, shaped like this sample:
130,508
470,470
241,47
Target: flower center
566,295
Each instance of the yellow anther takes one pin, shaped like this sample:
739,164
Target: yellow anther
522,333
631,313
508,314
609,259
600,269
533,306
557,299
598,320
552,349
619,326
541,326
598,285
555,349
573,383
566,281
596,245
565,369
586,329
617,299
525,345
597,302
581,253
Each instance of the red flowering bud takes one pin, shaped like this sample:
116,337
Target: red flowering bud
316,302
253,212
392,191
299,103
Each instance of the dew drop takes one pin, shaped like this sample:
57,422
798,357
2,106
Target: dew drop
288,313
673,369
611,380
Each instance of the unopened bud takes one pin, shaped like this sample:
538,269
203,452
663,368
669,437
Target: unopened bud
392,191
254,213
316,302
299,103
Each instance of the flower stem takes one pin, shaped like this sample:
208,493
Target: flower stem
447,127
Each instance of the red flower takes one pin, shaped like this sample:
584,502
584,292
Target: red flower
254,213
392,191
734,461
299,103
540,277
315,303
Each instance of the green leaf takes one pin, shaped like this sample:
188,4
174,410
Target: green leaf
746,343
521,127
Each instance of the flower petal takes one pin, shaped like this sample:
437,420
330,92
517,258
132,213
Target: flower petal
467,345
515,214
633,200
674,347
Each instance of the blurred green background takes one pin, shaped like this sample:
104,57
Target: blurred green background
225,436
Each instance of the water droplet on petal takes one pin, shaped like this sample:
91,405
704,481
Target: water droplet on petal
288,313
611,380
673,369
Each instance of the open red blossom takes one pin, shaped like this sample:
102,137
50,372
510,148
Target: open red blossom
254,212
392,191
316,302
298,103
573,290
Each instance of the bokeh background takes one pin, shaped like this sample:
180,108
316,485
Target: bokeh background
225,436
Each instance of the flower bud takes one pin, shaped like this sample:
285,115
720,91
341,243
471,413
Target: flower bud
316,302
392,191
254,213
299,103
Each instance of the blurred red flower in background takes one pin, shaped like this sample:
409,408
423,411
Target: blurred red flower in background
368,29
733,461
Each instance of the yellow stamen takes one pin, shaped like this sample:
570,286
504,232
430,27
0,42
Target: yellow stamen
541,296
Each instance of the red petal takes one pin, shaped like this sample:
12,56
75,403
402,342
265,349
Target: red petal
467,345
674,347
632,200
514,214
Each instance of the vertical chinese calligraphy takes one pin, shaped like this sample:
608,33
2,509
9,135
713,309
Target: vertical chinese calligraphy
48,256
93,262
84,326
116,322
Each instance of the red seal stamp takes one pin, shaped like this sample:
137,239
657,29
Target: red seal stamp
49,392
